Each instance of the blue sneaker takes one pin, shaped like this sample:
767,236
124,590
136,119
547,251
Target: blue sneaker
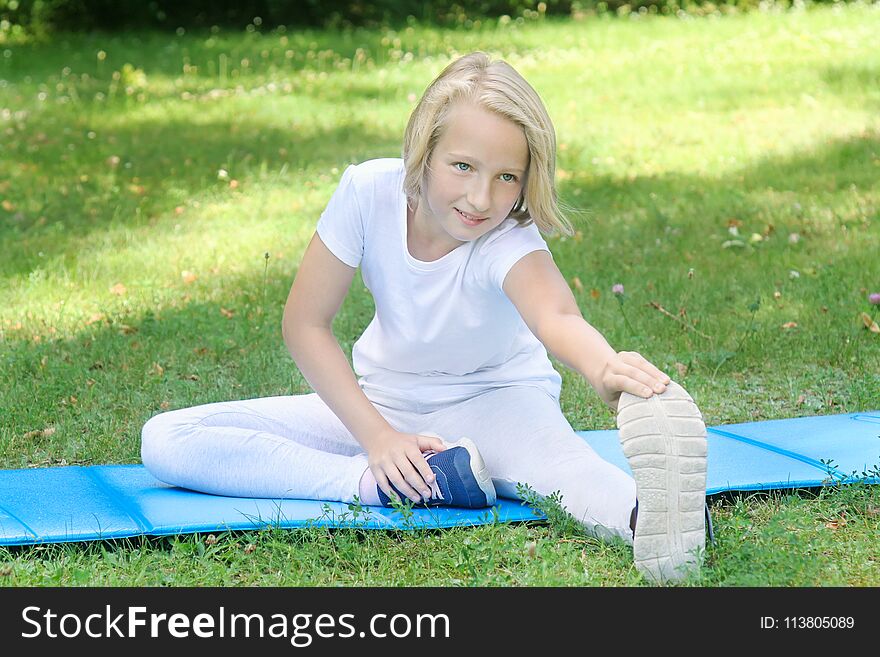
462,478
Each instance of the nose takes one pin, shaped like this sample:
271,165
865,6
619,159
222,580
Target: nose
479,196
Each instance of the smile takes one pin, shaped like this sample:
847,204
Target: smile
469,219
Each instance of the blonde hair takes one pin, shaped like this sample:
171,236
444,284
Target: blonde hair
497,87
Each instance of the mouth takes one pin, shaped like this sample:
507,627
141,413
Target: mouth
469,219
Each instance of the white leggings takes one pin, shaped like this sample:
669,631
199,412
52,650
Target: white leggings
294,446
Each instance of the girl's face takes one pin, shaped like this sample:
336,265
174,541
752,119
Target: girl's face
475,176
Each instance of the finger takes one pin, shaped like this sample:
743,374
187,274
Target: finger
389,474
656,372
643,372
404,488
430,441
637,383
424,470
643,363
383,483
417,489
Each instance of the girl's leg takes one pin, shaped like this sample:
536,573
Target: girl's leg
291,446
524,438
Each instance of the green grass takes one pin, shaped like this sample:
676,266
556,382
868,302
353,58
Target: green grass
134,276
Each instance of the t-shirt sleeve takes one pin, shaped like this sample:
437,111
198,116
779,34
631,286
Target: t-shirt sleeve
341,226
501,253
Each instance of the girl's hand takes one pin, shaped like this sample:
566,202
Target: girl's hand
396,458
628,371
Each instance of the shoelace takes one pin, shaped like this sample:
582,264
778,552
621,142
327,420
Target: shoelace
436,494
435,491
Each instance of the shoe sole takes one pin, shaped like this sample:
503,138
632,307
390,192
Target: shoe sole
478,467
664,441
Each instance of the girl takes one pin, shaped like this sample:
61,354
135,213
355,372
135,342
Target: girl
468,303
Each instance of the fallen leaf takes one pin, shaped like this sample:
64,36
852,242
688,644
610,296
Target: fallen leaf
250,548
682,370
157,369
789,325
125,329
595,293
576,284
96,317
118,289
192,377
233,184
39,433
801,400
732,222
165,405
837,523
870,324
530,548
228,314
7,205
188,277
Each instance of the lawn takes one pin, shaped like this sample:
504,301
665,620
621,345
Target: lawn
157,192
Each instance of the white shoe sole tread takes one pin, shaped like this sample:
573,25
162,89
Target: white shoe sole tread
664,440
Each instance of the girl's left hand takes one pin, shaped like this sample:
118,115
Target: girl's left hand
628,371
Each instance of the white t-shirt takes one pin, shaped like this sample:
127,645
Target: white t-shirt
444,330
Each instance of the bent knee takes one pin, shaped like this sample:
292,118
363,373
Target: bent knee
157,444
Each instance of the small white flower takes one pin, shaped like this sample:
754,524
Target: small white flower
222,174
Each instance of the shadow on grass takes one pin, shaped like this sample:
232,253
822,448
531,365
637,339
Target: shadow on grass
158,53
171,162
846,81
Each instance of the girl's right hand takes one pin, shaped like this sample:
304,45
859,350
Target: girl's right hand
396,458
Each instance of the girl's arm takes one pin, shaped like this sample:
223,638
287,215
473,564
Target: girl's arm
538,290
315,297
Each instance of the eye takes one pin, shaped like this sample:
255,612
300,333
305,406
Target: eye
462,166
508,177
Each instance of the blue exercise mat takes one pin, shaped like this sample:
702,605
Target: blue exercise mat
74,503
